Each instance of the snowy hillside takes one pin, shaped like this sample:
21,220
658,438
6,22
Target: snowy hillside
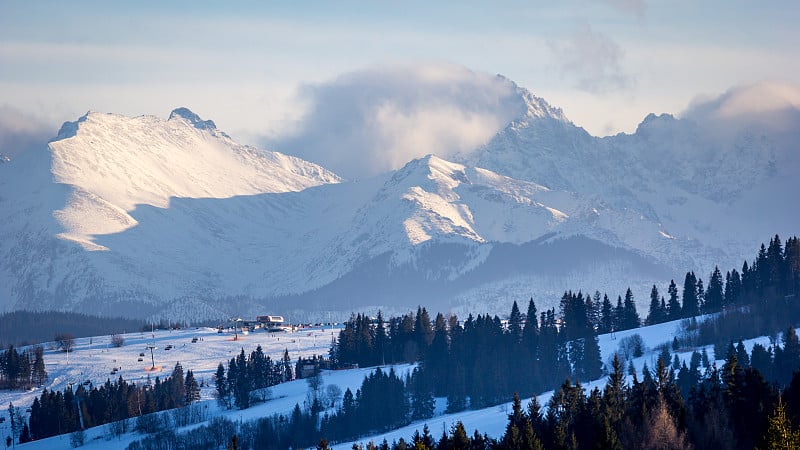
93,358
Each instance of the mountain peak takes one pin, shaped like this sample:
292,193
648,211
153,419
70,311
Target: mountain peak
655,118
69,129
191,117
429,165
537,107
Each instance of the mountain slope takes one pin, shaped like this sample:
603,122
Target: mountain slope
152,217
700,186
85,189
144,216
114,163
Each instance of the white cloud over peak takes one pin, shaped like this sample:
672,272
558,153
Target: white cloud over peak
771,105
371,121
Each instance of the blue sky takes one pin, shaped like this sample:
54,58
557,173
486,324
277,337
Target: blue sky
247,64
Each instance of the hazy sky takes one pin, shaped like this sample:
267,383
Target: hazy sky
258,68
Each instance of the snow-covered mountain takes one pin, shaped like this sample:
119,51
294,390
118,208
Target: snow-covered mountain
145,216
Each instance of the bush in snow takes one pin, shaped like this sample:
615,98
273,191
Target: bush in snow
76,439
632,346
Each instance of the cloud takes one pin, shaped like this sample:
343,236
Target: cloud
371,121
773,105
20,132
636,7
769,108
592,59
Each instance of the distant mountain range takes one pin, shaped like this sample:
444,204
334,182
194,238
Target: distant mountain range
146,217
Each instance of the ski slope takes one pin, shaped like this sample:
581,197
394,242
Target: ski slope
93,359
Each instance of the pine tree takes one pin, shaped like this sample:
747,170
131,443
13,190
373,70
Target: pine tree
714,299
606,317
424,441
631,319
25,435
515,324
673,306
780,433
39,375
422,329
733,288
593,306
655,314
614,393
222,387
435,360
192,389
775,262
381,340
619,315
458,437
422,401
787,360
593,364
691,305
519,433
530,339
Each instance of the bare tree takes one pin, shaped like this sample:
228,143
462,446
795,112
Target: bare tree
117,340
316,383
334,394
632,346
65,341
661,433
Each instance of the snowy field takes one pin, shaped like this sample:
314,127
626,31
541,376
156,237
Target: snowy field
94,358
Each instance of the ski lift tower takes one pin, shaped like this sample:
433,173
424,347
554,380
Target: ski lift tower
236,323
152,358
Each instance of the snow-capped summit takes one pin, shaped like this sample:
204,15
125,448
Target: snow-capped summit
114,163
153,217
98,180
538,108
194,119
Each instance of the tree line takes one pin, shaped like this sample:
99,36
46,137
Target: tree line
58,412
484,358
246,374
773,276
384,401
31,327
22,370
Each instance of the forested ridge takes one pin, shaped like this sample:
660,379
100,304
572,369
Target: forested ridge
32,327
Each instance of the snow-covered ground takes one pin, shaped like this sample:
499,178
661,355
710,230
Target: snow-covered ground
94,358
